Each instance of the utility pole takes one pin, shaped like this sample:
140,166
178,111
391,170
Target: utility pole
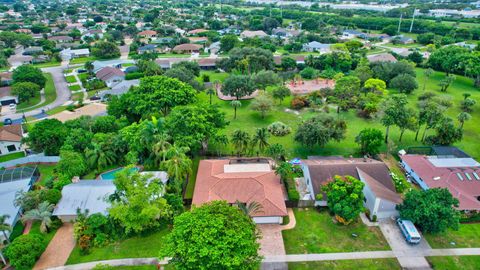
400,22
413,19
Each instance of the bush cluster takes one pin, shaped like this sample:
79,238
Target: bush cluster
279,129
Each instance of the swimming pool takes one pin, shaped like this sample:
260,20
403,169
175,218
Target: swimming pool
110,175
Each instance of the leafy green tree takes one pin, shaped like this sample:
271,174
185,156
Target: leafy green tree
375,86
238,86
99,156
390,30
24,251
25,90
276,151
210,92
228,42
280,93
404,83
178,165
105,50
260,139
407,121
309,73
4,226
247,60
345,198
288,63
392,107
370,141
195,125
47,136
184,75
138,204
432,210
29,73
345,89
463,117
154,94
191,66
241,141
229,235
427,73
284,170
262,103
319,130
265,78
71,164
467,104
43,214
235,104
363,71
446,82
446,133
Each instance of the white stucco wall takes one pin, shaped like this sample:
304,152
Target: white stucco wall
5,144
268,220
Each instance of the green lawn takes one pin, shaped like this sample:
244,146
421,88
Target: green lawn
455,262
71,79
214,76
36,229
82,76
31,102
135,247
192,179
315,232
74,87
137,267
50,94
249,120
46,172
49,64
467,236
372,264
11,156
82,60
56,110
16,231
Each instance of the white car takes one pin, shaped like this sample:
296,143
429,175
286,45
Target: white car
12,106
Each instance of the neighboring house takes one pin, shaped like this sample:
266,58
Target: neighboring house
32,50
381,57
18,60
68,54
149,48
111,76
92,34
13,181
187,48
349,34
61,39
214,48
91,195
379,190
11,139
464,44
147,34
253,34
6,78
402,40
315,46
118,89
207,63
285,33
198,40
446,167
243,180
116,63
196,31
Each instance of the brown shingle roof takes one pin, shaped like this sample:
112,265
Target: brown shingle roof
187,47
263,187
322,170
12,133
147,33
108,72
382,57
378,188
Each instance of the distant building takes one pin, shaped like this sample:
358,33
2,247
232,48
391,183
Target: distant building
187,48
149,48
111,76
196,31
253,34
315,46
402,40
147,34
381,57
454,13
349,34
445,167
69,54
11,139
18,60
61,39
198,40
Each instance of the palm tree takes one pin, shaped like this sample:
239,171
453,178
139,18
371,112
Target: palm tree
466,95
261,138
43,214
160,147
99,157
284,170
210,93
249,209
4,226
178,165
462,117
235,104
427,73
240,140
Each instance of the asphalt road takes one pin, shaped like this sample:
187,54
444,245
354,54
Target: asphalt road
61,87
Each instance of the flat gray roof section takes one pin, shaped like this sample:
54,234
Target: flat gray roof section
452,162
83,195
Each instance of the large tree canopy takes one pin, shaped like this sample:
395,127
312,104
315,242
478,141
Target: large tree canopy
238,86
320,130
248,60
432,210
154,94
47,136
105,50
29,73
213,236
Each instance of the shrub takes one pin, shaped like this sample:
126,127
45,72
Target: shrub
309,73
24,251
52,196
374,218
279,129
399,182
134,75
299,103
292,192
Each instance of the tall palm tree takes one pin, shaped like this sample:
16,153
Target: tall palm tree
210,93
261,139
4,226
160,147
235,104
240,140
99,157
249,209
462,117
43,214
178,165
284,170
427,73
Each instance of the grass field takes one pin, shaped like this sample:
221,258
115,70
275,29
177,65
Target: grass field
56,110
249,120
192,179
315,232
49,64
455,262
46,172
71,79
31,102
135,247
74,87
467,236
82,60
373,264
50,94
11,156
36,229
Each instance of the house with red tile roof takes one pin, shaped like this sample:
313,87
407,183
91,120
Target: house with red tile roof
147,34
446,167
244,180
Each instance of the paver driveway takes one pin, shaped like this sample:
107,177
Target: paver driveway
58,249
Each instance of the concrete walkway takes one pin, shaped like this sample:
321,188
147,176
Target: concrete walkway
58,249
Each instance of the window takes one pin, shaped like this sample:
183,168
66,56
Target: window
365,199
460,177
468,176
11,148
476,175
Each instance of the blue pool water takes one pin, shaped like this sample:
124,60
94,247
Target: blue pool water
110,175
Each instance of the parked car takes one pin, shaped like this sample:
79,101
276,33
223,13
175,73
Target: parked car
409,231
7,121
81,70
12,106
